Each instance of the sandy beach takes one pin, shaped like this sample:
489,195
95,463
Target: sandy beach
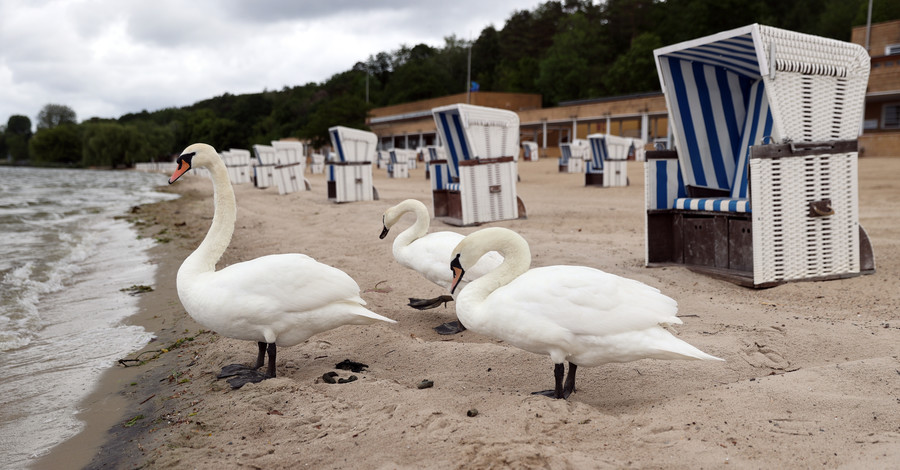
811,378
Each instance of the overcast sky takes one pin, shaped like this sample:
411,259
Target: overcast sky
106,58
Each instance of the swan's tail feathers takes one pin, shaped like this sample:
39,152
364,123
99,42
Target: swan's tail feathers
425,304
668,346
364,312
687,351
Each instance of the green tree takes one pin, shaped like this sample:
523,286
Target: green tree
16,137
52,115
635,71
57,146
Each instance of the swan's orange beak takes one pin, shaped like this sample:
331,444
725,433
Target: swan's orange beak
183,167
458,273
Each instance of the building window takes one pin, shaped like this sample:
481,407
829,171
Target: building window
892,49
890,116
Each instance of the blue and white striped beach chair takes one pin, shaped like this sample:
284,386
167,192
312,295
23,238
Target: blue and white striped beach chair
399,162
530,151
350,168
607,165
481,144
761,187
573,156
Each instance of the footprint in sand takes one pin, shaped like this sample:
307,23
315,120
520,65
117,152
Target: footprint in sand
762,356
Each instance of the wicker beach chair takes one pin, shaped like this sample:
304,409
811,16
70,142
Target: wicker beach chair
290,158
399,163
317,167
480,144
350,169
761,187
573,156
237,163
530,150
607,164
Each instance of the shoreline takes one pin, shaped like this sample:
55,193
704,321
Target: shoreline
810,371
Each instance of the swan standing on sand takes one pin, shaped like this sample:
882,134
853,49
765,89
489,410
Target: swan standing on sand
571,313
428,254
275,300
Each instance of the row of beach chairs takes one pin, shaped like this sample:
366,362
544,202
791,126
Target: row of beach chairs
759,186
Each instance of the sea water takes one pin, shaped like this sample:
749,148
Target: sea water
65,255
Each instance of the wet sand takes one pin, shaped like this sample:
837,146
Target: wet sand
811,377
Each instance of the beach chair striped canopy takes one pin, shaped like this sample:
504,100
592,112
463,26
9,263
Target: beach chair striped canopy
469,132
725,95
353,145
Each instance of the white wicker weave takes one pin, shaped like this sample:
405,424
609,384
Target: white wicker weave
788,243
488,192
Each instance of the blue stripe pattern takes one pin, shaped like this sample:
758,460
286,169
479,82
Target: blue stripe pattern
665,178
757,127
454,138
336,141
599,154
566,151
720,204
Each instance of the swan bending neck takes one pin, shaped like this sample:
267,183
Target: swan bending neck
417,230
218,237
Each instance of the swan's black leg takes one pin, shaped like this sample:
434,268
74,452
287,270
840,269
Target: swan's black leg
450,328
570,381
272,348
425,304
558,372
261,357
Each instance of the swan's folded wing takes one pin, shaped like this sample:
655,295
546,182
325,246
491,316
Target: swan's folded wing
587,301
288,282
430,256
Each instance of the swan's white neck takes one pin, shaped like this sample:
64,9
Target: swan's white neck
417,230
516,261
204,258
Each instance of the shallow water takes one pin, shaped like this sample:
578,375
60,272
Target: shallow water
64,258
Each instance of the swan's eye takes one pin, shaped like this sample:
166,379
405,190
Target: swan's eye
187,157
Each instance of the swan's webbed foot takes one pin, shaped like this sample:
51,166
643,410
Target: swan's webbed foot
246,377
425,304
450,328
561,391
241,374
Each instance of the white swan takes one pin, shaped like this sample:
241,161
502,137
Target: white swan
428,254
274,300
571,313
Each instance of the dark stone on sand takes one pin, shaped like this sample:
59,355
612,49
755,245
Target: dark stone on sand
329,377
352,366
472,413
425,384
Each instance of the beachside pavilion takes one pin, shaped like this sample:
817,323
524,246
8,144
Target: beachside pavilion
644,116
411,125
881,124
